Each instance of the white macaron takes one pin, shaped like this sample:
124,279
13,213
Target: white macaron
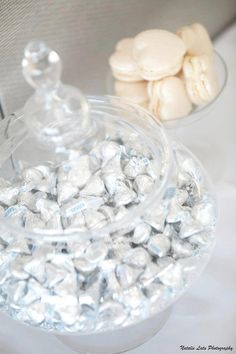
200,79
168,98
134,91
158,53
125,43
122,63
196,39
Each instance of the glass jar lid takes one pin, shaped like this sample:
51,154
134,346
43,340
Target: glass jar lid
85,163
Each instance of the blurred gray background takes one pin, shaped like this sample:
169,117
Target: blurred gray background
84,32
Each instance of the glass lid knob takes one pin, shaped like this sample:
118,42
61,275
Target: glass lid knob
57,114
41,66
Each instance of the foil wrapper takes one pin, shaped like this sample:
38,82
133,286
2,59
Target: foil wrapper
8,193
136,166
66,191
32,175
137,257
159,245
47,208
127,275
141,233
143,184
78,172
94,187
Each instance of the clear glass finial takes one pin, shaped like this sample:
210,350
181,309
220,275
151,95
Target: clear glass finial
41,65
57,114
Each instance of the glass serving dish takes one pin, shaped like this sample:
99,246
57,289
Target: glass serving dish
196,129
198,112
105,223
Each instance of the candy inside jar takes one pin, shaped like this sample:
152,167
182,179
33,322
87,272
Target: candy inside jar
105,222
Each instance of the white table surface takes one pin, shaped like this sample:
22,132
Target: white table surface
206,314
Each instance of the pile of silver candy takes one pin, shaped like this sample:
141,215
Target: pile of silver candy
101,278
86,192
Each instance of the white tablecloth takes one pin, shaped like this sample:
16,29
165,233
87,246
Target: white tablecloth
206,315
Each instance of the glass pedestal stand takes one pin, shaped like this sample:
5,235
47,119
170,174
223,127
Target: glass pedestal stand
117,341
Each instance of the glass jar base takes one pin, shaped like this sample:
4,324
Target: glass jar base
117,341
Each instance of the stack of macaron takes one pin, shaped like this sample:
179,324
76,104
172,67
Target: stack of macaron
167,73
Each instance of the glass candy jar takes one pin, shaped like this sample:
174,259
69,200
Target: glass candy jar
104,222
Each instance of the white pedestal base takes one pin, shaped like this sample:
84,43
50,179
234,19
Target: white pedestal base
116,341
